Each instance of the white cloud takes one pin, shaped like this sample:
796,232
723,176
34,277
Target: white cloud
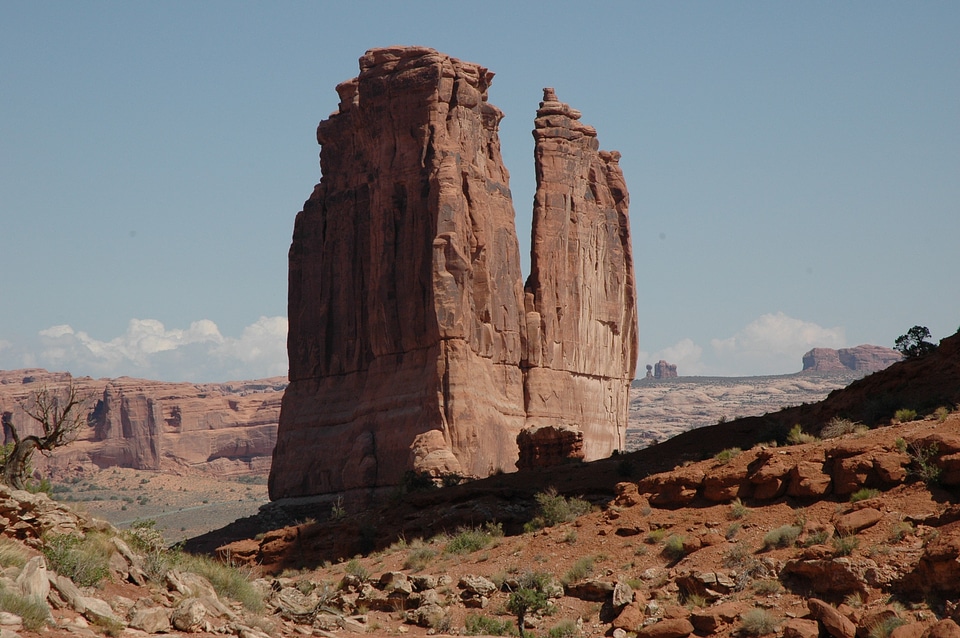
148,349
773,344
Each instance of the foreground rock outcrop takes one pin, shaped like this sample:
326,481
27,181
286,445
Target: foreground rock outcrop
865,358
222,428
413,344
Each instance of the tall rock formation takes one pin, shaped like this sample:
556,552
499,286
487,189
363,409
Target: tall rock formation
581,312
408,328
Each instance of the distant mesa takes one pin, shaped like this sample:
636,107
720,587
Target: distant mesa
864,358
414,343
664,370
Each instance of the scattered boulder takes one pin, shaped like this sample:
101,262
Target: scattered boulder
835,623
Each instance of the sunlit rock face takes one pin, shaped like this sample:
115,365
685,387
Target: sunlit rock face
408,328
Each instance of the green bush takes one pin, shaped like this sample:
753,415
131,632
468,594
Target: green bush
900,530
655,536
941,413
554,509
469,540
922,463
580,570
32,611
767,587
356,568
228,581
12,553
738,510
564,629
844,545
838,426
885,626
673,548
796,436
758,622
783,536
863,494
84,560
477,625
524,601
818,537
727,455
904,415
419,557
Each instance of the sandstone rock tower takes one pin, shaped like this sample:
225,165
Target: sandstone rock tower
408,327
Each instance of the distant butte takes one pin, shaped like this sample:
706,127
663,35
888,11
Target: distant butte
865,358
413,343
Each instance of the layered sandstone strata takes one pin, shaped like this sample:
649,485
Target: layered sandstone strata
408,330
223,428
581,311
865,358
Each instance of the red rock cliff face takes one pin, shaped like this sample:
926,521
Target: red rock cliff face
407,338
222,428
404,292
581,311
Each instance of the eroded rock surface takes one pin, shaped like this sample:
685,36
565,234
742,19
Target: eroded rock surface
865,358
409,328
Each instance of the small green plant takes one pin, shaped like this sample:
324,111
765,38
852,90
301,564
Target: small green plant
738,510
863,494
84,560
564,629
783,536
905,415
758,622
570,537
941,413
477,625
732,530
32,611
885,626
693,601
844,545
736,556
229,581
900,444
838,426
356,568
922,462
727,455
524,601
900,530
12,553
419,557
469,540
673,548
854,600
818,537
580,570
767,587
337,511
655,536
555,509
796,436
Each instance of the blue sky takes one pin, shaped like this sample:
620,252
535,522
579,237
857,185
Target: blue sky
794,168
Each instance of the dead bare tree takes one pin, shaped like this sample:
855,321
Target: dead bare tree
60,416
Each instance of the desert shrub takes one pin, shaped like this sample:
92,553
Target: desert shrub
727,455
941,413
571,537
469,540
555,509
228,581
922,465
524,601
838,426
736,556
900,530
900,444
885,626
580,570
758,622
767,587
477,625
914,343
673,547
144,537
863,494
356,568
905,415
844,545
818,537
732,530
337,510
84,560
655,536
564,629
32,611
738,510
783,536
12,553
692,601
796,436
419,557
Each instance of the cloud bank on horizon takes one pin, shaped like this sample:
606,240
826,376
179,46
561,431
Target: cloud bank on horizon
771,344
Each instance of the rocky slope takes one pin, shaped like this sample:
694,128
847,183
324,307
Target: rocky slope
413,343
217,428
